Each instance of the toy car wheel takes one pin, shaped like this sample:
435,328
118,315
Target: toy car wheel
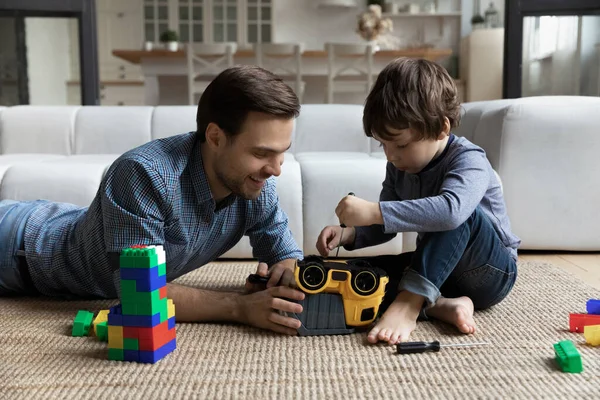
313,276
364,282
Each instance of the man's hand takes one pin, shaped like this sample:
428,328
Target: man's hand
354,211
263,309
280,274
329,238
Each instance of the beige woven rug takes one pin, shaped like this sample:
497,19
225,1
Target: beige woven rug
39,358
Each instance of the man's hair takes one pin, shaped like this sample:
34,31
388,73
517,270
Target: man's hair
239,90
411,93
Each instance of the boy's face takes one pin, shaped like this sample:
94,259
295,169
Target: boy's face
407,152
255,154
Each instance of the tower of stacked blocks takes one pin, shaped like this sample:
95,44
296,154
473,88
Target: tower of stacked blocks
142,327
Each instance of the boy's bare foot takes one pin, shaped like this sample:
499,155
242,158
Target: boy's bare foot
458,312
399,320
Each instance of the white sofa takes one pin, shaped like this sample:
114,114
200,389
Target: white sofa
545,150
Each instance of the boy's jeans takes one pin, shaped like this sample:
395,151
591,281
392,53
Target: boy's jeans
470,260
13,217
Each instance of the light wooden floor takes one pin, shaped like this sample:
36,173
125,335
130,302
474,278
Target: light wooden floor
583,265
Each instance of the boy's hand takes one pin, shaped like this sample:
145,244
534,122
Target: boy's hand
329,238
354,211
263,309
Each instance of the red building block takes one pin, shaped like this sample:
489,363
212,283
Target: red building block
578,321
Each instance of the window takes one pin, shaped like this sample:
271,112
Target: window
543,43
191,20
210,21
225,21
156,19
259,21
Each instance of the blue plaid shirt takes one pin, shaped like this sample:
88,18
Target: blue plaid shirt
155,194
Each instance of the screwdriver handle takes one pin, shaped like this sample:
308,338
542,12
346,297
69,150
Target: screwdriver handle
349,194
257,279
417,347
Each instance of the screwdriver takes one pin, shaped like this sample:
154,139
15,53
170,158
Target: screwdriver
422,347
342,234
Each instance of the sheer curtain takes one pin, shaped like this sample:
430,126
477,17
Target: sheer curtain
551,55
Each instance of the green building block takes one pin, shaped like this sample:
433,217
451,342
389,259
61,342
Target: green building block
82,323
138,258
162,269
130,344
568,357
102,331
116,354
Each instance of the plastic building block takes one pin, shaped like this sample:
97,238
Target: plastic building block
154,356
592,334
82,323
578,321
102,321
593,306
142,327
568,357
102,331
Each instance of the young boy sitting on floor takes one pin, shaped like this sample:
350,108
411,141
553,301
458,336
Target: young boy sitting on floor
439,185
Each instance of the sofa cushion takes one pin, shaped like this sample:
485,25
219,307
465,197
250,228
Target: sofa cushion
331,127
330,156
173,120
111,130
546,151
37,129
56,180
325,182
8,160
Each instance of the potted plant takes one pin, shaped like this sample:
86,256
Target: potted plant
170,38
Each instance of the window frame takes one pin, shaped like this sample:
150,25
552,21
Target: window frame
209,23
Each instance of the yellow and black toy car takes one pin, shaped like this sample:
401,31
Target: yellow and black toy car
341,295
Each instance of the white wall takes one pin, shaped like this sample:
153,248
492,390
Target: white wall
303,20
48,60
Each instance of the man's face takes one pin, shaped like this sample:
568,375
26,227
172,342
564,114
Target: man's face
255,154
406,152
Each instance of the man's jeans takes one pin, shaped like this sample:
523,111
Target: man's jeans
13,217
470,260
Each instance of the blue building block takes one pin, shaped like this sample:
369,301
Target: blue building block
593,306
131,355
154,356
114,316
171,322
144,321
146,280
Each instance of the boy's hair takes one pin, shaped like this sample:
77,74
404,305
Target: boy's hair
411,93
237,91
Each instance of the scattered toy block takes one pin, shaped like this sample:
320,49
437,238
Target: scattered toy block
82,323
592,334
568,357
593,306
578,321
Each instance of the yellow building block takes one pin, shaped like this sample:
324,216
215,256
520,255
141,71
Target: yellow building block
101,317
171,308
592,334
115,337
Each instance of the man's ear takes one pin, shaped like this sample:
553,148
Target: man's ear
213,135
